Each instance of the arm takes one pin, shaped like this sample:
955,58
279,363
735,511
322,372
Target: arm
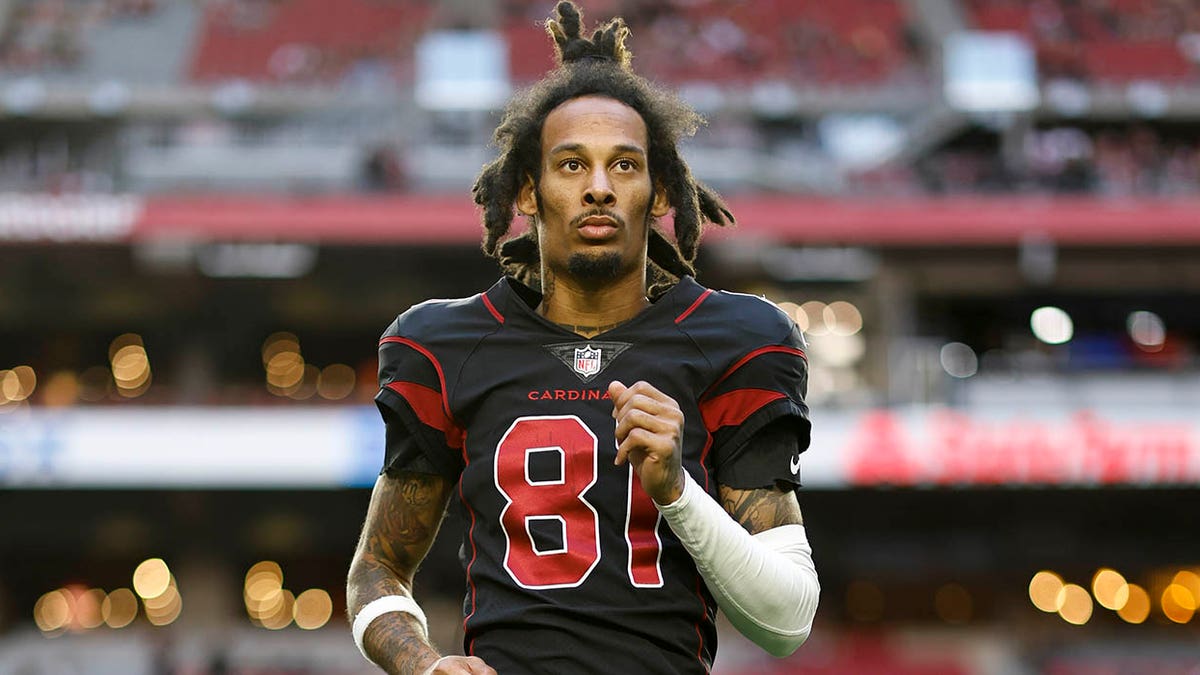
403,518
751,549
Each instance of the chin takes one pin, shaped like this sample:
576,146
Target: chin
596,267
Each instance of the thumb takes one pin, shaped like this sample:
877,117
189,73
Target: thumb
615,389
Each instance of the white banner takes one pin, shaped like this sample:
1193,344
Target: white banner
343,446
85,217
191,447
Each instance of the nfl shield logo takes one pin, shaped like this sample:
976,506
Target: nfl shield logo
587,361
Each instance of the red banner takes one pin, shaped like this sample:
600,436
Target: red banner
454,220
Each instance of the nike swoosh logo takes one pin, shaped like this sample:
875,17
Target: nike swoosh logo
795,464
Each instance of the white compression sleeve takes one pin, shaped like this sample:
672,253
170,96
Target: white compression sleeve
766,583
380,606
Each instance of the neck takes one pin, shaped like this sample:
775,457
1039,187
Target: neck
592,309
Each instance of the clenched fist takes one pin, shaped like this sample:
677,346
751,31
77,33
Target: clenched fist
650,437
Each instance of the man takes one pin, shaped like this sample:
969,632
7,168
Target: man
590,427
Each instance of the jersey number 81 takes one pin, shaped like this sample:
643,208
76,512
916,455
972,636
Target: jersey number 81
561,501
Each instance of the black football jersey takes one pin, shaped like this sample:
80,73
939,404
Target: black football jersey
569,566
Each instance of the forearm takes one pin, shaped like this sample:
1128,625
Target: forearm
395,641
765,583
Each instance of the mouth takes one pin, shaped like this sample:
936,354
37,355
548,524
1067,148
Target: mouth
596,228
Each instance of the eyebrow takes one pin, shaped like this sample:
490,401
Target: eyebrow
578,147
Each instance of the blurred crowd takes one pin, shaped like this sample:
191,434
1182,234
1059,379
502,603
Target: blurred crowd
41,36
1097,40
1127,160
848,43
367,45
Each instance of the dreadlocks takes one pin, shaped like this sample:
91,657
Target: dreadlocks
599,65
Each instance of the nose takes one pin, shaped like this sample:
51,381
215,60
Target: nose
599,191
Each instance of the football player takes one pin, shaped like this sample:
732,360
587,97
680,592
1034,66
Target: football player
624,442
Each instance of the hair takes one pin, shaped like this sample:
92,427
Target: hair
600,66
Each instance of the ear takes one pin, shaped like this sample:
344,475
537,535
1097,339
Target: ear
527,197
661,204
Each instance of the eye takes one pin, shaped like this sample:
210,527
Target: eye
572,165
626,165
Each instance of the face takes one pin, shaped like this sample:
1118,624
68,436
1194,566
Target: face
595,198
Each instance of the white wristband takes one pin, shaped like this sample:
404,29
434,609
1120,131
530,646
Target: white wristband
385,605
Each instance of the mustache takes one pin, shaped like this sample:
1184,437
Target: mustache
577,220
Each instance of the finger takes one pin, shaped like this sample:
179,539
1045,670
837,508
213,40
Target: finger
615,390
635,447
636,440
645,403
636,418
626,393
478,667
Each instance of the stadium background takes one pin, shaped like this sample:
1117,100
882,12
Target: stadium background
985,213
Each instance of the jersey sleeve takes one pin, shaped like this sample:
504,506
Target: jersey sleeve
421,434
757,417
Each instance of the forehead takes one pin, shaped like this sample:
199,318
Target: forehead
593,121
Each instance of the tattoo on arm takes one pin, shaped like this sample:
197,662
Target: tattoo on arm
761,509
402,520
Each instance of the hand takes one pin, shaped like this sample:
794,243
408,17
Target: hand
650,437
459,665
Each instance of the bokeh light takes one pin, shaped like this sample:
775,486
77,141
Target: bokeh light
119,608
789,308
1110,589
263,592
1178,603
1189,580
1146,330
958,360
843,318
278,343
336,382
88,613
309,380
151,578
811,318
130,365
17,384
953,603
54,611
281,616
1051,325
165,608
1137,606
313,609
1045,591
61,389
287,373
1076,605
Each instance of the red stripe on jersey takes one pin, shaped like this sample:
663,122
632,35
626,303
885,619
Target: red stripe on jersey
427,404
432,359
687,312
756,353
491,308
734,407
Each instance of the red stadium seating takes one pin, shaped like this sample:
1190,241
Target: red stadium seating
326,38
1120,41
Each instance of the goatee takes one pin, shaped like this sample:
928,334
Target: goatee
595,267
